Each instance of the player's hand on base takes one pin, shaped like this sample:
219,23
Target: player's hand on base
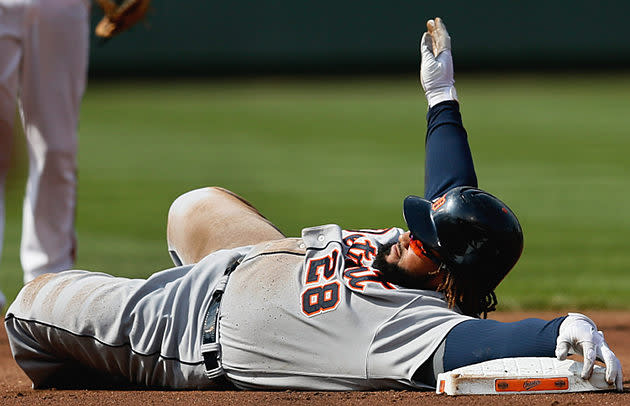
579,334
436,68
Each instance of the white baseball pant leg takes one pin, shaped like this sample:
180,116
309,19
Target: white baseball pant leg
11,18
53,82
49,66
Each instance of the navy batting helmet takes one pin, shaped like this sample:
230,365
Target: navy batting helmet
471,231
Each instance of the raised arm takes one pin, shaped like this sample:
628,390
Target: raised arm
448,161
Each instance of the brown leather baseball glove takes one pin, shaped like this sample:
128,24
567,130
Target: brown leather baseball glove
120,15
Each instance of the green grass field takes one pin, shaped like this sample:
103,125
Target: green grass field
348,151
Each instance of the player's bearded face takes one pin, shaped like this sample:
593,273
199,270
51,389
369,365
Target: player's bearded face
401,266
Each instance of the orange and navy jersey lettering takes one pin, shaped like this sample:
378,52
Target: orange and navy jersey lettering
324,266
360,249
318,299
358,276
321,292
325,282
359,257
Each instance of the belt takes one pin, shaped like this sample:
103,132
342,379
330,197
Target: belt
210,348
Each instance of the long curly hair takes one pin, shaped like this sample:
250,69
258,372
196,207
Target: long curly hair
473,298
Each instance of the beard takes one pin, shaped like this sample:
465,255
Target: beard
394,274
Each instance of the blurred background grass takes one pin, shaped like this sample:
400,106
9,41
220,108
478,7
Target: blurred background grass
311,151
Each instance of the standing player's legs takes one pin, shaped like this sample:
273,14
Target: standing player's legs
53,81
10,58
209,219
11,54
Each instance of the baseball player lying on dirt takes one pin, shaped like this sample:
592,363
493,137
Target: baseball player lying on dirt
333,310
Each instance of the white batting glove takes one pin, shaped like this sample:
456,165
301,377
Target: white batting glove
579,334
436,68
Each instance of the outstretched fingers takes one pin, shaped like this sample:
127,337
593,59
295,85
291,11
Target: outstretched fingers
588,348
614,372
440,28
426,46
562,350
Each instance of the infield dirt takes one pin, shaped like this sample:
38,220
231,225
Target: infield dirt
15,388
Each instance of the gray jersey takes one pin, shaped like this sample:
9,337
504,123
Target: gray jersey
311,313
303,313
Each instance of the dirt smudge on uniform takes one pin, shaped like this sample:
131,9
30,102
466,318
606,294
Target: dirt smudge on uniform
83,298
55,292
31,290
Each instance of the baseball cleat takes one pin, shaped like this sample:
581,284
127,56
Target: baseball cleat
521,376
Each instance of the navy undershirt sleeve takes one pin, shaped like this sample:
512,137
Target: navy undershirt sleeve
481,340
448,161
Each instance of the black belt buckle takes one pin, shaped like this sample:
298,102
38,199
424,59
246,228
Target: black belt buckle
211,360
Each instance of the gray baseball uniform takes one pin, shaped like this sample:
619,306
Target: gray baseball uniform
302,313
